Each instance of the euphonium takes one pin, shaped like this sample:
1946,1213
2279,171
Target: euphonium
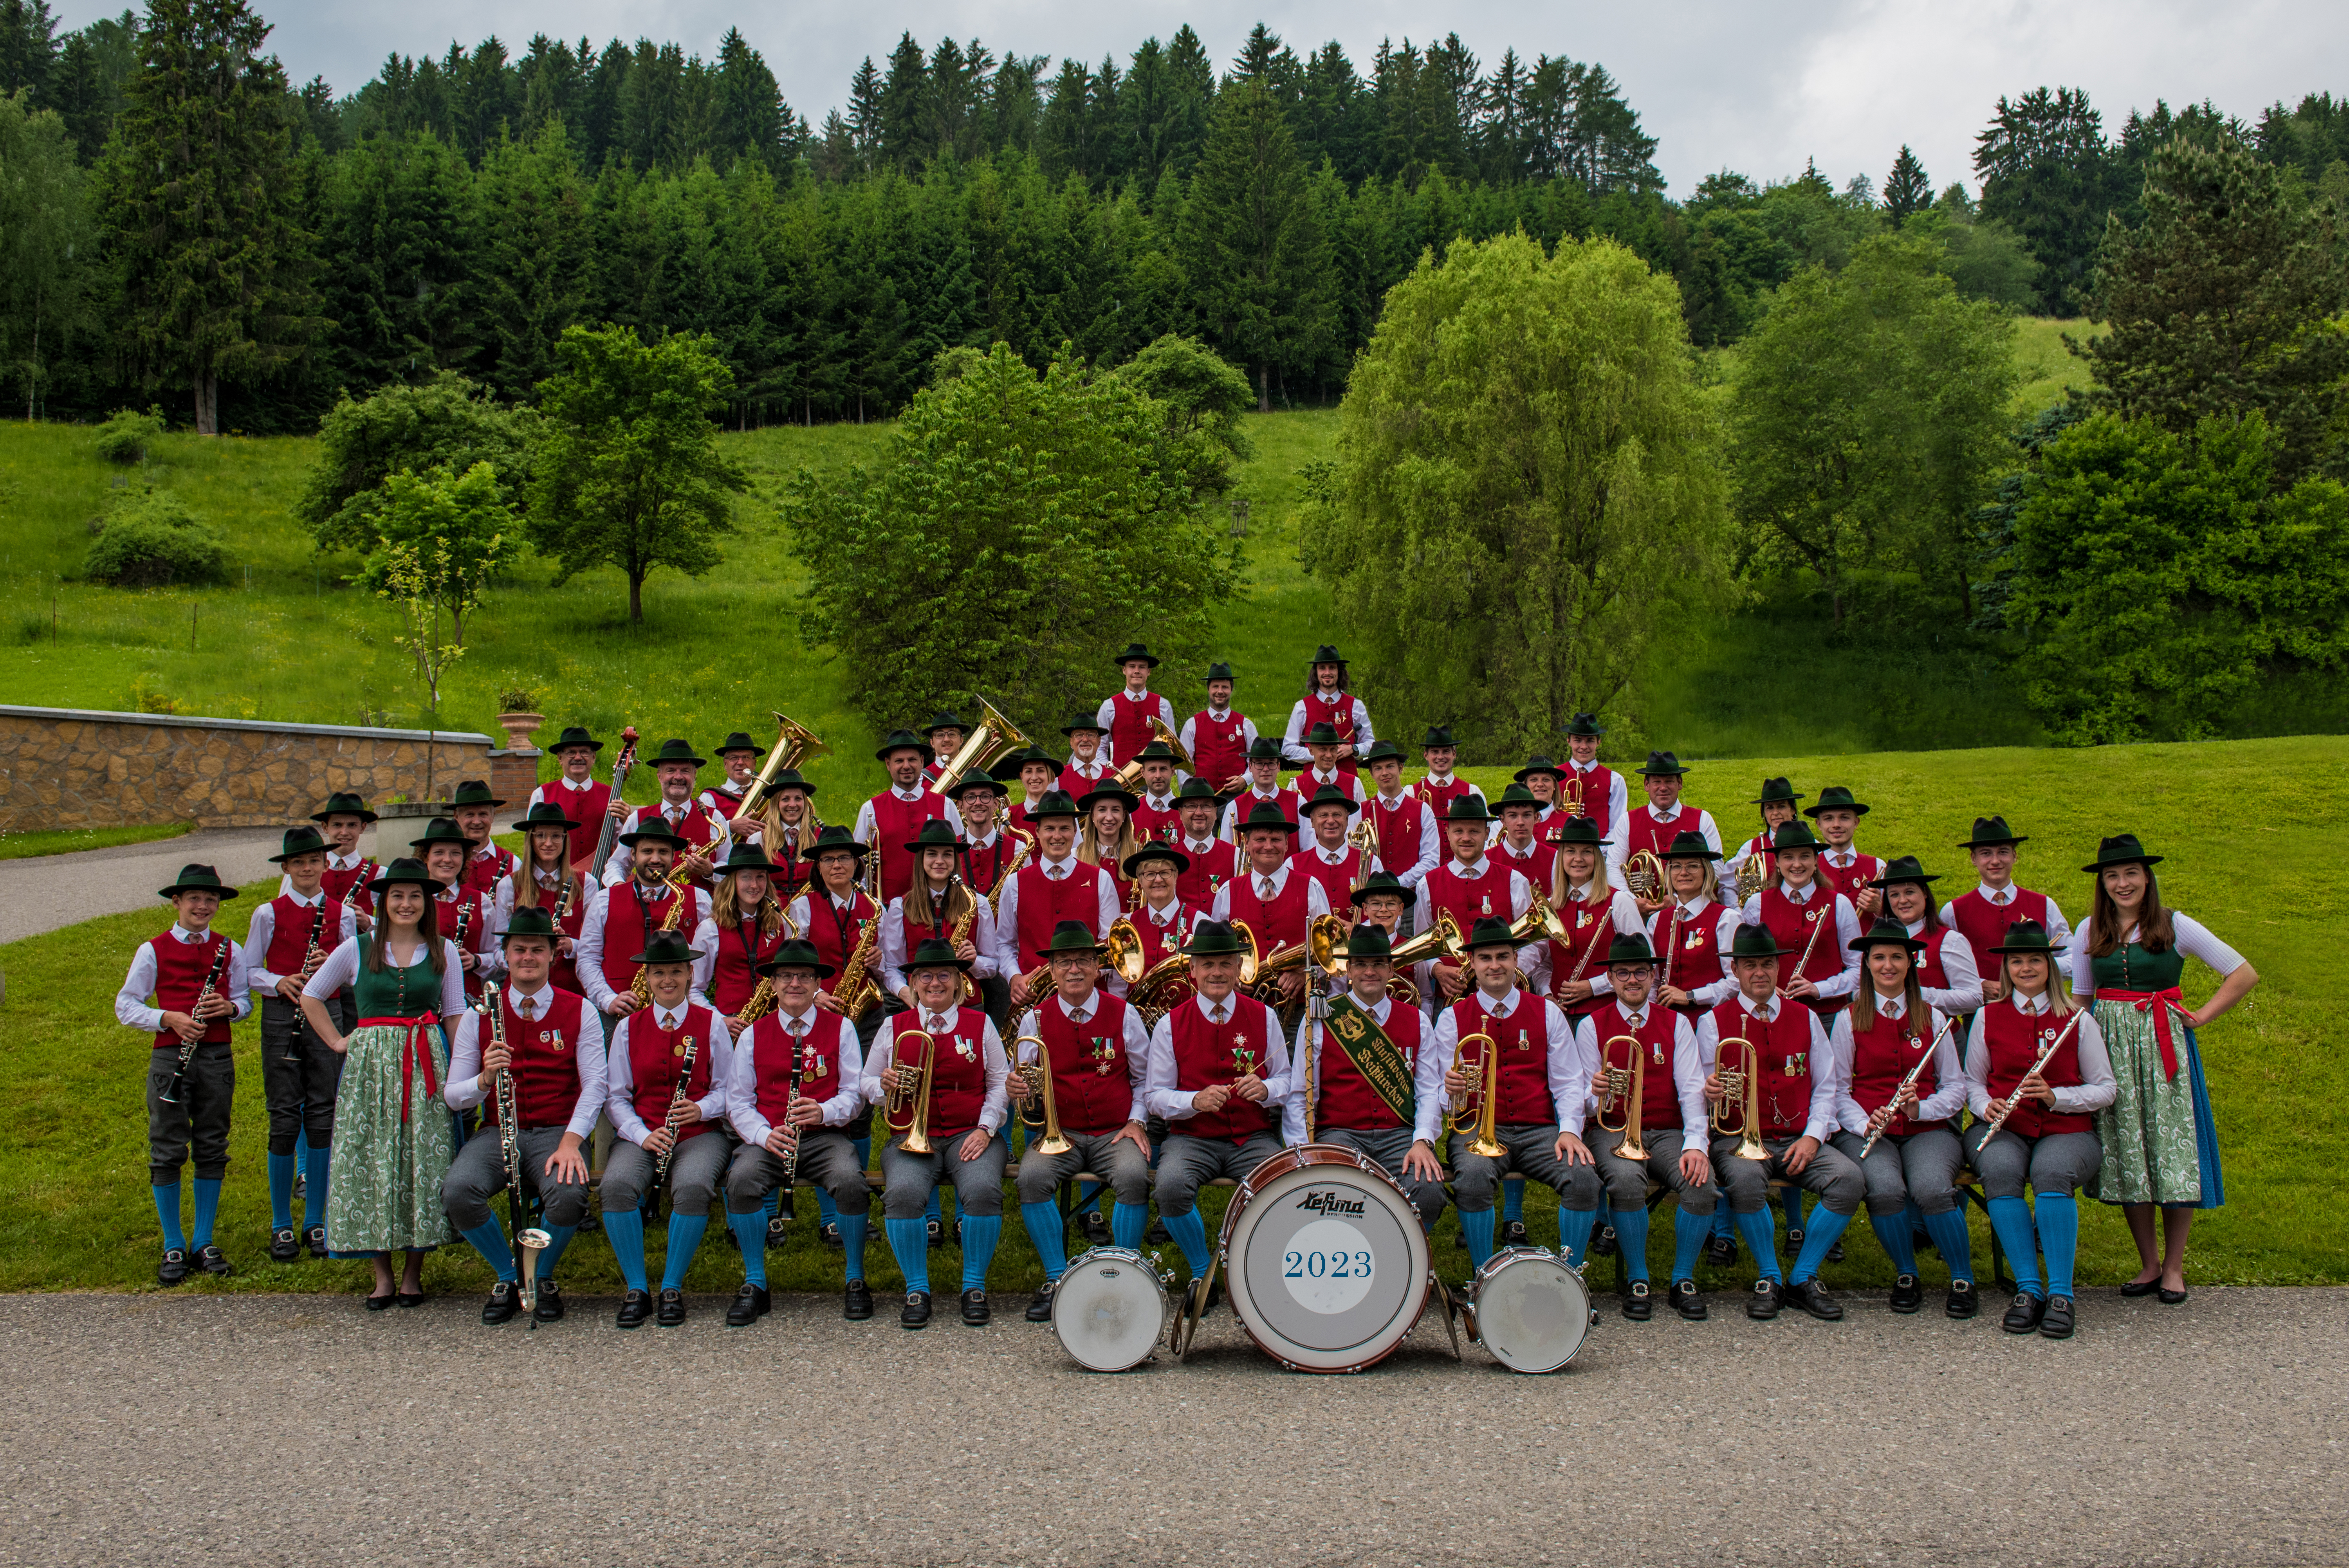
1323,935
1250,965
1124,957
1625,1087
1741,1086
912,1105
1038,1075
1158,979
1440,941
1480,1122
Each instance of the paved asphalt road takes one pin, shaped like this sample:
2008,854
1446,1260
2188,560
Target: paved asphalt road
300,1430
45,891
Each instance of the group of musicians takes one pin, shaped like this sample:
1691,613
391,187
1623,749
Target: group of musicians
1164,962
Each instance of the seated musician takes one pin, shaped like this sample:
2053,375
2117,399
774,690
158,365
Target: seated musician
744,929
1161,917
936,906
1375,1065
1811,925
623,916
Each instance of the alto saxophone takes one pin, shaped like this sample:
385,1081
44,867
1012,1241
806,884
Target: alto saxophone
1023,846
856,990
959,933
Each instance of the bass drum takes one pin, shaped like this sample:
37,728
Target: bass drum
1110,1308
1329,1267
1528,1307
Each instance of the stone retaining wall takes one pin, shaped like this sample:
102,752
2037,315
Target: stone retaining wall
67,768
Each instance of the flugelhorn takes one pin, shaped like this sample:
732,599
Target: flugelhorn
1323,935
912,1105
1124,957
1741,1086
995,739
1038,1075
1480,1123
1625,1087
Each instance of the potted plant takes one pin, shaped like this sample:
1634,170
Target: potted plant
517,717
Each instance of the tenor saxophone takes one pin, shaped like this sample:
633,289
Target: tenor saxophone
641,987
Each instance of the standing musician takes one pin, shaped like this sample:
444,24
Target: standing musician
991,851
1209,862
702,833
1575,975
950,1089
1154,814
2047,1145
1039,775
1440,787
546,880
742,931
581,795
1983,913
1796,909
1893,1030
1945,966
836,916
1400,816
1527,844
1217,737
554,1047
1126,716
1537,781
1323,770
1777,801
1098,1051
1218,1070
1272,896
197,979
785,826
738,754
796,1090
1162,916
1326,701
1105,834
888,821
1789,1092
939,906
625,916
1669,1120
1470,886
1841,867
1590,789
1542,1087
944,734
670,1062
1693,932
486,865
1052,887
1329,858
1371,1064
1653,827
1263,789
465,916
290,936
345,818
1089,765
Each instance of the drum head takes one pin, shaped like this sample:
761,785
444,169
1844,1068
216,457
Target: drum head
1532,1311
1109,1309
1329,1268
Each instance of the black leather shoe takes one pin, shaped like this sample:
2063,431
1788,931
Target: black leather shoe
1039,1305
1813,1297
1686,1302
505,1300
1835,1254
856,1302
2022,1317
1096,1228
2055,1323
672,1309
409,1299
1907,1295
829,1235
315,1238
382,1303
174,1269
1603,1243
285,1245
750,1304
1964,1301
1761,1302
937,1234
732,1240
2136,1288
1158,1235
1513,1234
2166,1297
1721,1251
550,1302
958,1233
1638,1306
779,1231
1794,1242
975,1311
214,1261
917,1311
635,1308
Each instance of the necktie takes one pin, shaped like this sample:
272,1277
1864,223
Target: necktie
1267,886
1216,1013
1762,1012
799,1030
1999,898
529,1008
1054,873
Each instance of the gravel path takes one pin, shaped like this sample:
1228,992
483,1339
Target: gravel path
293,1429
46,891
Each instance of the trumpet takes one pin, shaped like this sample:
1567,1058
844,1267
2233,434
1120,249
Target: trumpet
995,739
1479,1122
1569,794
1129,773
1038,1075
1741,1086
1643,874
794,744
906,1112
1749,878
1625,1087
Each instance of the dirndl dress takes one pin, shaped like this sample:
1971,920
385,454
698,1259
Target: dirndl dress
2160,1141
394,1138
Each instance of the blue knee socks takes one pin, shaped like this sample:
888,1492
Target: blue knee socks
825,1214
1631,1230
625,1229
207,1205
1190,1233
980,1234
2059,1234
2010,1222
1952,1241
1574,1228
1761,1240
1724,1219
750,1229
910,1241
1127,1221
1792,1200
167,1209
1044,1222
684,1237
1892,1230
1476,1230
314,1185
1689,1234
851,1241
489,1239
1513,1202
774,1201
558,1237
936,1212
281,1191
1824,1229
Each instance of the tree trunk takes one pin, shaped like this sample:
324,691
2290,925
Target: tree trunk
1264,388
33,378
207,403
636,597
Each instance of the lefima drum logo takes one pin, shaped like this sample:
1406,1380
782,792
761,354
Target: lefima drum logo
1330,1200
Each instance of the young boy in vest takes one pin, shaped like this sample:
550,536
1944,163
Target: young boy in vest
1217,738
290,936
1984,914
1361,1071
1598,790
1263,789
1126,716
342,821
197,980
1405,823
1440,787
1841,867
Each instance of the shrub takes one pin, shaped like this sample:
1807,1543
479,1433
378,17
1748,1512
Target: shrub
123,438
151,540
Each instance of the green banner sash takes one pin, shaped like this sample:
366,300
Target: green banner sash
1378,1058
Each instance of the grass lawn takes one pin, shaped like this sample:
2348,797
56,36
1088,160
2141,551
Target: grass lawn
65,841
2252,830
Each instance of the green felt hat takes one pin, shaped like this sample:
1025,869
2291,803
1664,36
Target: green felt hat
1990,831
300,842
1369,940
934,953
904,740
795,953
1135,651
574,735
1196,788
1583,724
1776,791
441,831
1579,830
1083,722
1054,803
677,751
744,857
1384,751
1327,654
1214,939
1156,751
1331,794
1629,948
1907,869
1382,881
1437,739
545,814
1755,941
1794,835
1106,790
937,833
945,719
1323,735
789,778
1468,808
529,920
1538,764
740,741
344,803
1518,795
1661,764
835,836
1267,816
2121,849
1222,672
1155,850
1074,936
978,778
2026,936
195,878
1689,846
666,948
654,829
1264,749
473,792
407,871
1490,931
1835,797
1886,933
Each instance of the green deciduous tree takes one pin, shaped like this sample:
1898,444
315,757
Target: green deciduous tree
1019,524
446,423
629,472
45,252
456,529
1202,395
1527,494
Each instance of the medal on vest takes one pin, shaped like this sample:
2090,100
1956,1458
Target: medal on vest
682,1042
1104,1055
1797,1063
1243,1060
554,1041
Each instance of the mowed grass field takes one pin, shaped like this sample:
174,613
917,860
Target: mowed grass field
2252,830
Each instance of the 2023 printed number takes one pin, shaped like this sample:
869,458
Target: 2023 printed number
1320,1265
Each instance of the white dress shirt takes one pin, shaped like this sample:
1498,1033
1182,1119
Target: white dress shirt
1846,932
587,953
914,797
616,870
2194,940
1687,1068
1134,1038
1431,838
2097,1088
1317,897
1705,990
1617,794
897,948
1007,917
131,1007
1948,1076
1570,1067
1311,710
620,1089
1426,1073
1963,994
1623,914
1191,738
884,1056
742,1079
1149,702
1159,1092
2059,930
342,968
468,1086
1685,818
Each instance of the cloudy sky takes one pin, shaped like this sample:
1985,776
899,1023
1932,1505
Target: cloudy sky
1758,85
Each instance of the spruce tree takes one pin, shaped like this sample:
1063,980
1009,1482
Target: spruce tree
1905,189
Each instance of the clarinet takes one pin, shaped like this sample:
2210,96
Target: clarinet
790,1154
177,1090
670,1124
311,956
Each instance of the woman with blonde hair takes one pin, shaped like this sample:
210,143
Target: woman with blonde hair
543,880
1105,835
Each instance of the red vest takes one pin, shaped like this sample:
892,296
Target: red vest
1076,785
1525,1057
694,827
770,1057
894,824
1020,817
482,872
733,973
1207,1053
835,934
1343,1097
2016,1041
1338,882
655,1057
1247,800
1597,794
1983,923
1469,898
1129,722
1277,924
1660,1096
350,887
563,975
1398,828
464,917
1851,880
289,940
180,970
1152,823
957,1080
586,808
1881,1056
983,868
628,924
1644,832
1044,904
1790,925
1583,917
1338,713
1929,963
1159,942
1439,798
1784,1055
1693,961
1091,1090
1219,746
1207,873
1534,867
545,1060
788,873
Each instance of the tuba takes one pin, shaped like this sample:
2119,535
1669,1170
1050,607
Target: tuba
1479,1118
794,745
1129,772
1038,1077
906,1112
1738,1114
995,739
1624,1087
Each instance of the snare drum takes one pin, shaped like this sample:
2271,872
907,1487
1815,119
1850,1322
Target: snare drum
1110,1308
1528,1306
1328,1267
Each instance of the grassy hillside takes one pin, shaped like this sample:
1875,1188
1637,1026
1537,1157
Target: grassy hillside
2250,830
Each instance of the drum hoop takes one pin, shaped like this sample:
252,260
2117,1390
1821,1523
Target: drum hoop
1499,1263
1303,1158
1141,1263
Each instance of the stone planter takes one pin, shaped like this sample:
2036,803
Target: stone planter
520,729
